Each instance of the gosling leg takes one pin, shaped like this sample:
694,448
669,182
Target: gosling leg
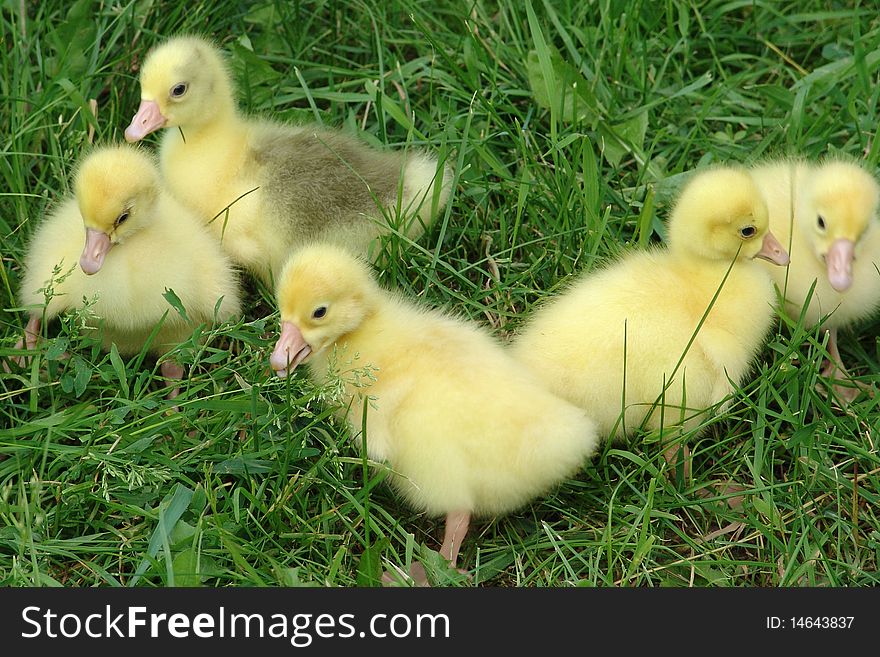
677,454
836,371
175,372
32,332
29,342
456,529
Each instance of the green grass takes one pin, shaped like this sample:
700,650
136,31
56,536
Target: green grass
252,482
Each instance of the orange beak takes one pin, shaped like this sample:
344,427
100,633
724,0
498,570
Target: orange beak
839,262
97,246
290,350
148,119
773,251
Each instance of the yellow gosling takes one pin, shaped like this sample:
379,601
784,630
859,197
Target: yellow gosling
464,430
264,187
124,240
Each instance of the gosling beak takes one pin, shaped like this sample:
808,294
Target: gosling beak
773,251
95,250
290,350
839,262
148,119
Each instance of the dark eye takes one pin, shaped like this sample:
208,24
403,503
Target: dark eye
178,90
747,232
320,311
121,218
820,222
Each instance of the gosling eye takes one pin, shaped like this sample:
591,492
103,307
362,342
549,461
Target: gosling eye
747,232
121,218
178,90
820,222
319,312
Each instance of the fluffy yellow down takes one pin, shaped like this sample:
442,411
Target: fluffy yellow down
294,184
158,245
460,424
614,339
845,196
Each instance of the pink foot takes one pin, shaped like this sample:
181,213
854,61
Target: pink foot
174,371
848,389
836,371
416,572
456,528
671,455
29,342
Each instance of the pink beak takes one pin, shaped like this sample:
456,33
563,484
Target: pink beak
148,119
773,251
839,262
95,250
290,350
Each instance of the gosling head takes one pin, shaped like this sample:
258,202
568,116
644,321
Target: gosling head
840,203
721,215
116,188
184,82
323,294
